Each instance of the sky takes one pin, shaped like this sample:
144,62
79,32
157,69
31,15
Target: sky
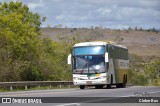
114,14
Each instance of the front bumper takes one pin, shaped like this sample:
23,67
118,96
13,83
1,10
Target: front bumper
90,82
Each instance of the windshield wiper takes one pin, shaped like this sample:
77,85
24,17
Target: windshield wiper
94,69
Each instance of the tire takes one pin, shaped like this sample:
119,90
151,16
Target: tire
118,85
81,86
109,86
122,85
124,81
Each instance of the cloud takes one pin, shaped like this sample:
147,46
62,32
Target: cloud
34,6
107,13
104,11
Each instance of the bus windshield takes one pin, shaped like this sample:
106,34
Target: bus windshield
94,50
89,64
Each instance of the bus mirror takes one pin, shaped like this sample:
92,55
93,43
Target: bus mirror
69,59
106,57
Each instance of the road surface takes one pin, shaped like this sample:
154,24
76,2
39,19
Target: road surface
88,96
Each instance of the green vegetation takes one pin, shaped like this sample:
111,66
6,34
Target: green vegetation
24,55
144,72
141,29
15,89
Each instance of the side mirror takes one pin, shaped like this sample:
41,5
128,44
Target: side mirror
69,59
106,57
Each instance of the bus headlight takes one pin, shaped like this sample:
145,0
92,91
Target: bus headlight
104,77
76,78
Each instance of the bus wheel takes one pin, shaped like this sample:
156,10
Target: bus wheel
122,85
124,81
82,86
118,85
108,86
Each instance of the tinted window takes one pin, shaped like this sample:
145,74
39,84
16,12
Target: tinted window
89,50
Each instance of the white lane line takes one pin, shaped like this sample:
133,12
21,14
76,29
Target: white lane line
154,92
141,93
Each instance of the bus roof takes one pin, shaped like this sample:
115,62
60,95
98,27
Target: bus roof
90,43
98,43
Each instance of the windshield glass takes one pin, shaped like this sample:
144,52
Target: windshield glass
94,50
89,64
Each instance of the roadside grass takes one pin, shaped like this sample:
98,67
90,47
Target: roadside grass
155,82
30,88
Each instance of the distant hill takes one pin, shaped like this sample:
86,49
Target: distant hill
141,43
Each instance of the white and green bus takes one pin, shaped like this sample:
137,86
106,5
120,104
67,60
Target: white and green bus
99,64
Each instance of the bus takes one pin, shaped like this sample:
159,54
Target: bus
99,64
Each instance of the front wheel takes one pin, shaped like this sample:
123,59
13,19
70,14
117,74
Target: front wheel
82,86
109,86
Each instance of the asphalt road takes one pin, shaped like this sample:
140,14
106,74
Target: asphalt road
87,97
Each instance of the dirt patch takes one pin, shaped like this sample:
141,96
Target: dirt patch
142,43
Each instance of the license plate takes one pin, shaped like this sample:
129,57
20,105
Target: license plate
89,82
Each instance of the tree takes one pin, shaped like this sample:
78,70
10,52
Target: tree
19,40
24,54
